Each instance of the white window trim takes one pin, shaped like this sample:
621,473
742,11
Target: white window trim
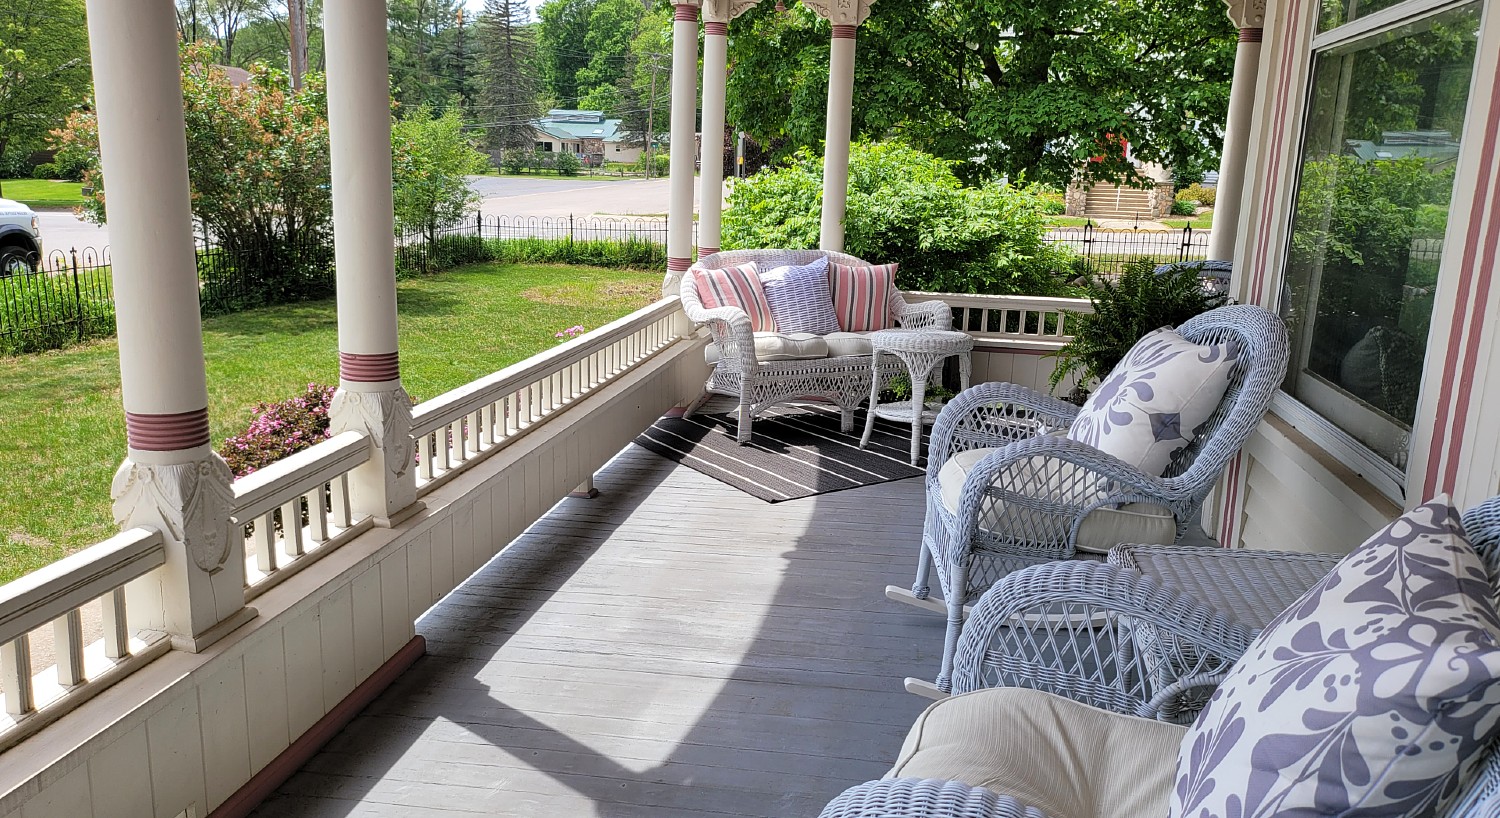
1384,476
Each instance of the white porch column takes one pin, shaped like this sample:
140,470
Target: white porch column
684,128
171,479
370,397
836,138
711,167
1249,16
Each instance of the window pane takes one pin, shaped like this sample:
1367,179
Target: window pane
1335,13
1379,149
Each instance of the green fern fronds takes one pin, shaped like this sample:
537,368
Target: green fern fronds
1125,309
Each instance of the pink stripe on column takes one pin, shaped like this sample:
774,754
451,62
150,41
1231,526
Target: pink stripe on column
715,29
678,265
844,32
1443,438
1251,35
687,12
166,433
706,251
376,368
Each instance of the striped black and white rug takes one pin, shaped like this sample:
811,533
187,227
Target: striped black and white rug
796,451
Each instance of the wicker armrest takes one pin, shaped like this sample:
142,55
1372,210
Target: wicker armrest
925,315
992,415
925,798
1073,628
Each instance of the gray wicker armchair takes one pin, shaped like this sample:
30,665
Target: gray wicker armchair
1035,496
843,379
1068,628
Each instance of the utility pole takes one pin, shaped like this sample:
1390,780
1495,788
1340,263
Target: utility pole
296,26
463,88
651,114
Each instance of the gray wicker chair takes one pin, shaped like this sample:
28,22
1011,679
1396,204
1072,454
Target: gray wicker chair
1003,521
759,385
1075,621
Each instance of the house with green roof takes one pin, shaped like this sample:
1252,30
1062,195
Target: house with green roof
587,133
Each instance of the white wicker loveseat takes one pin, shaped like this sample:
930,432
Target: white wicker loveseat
841,375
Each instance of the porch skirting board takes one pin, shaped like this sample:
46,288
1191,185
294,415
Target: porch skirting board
264,783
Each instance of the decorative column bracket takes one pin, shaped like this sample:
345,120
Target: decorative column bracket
844,12
1247,13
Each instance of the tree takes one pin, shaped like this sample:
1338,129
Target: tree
44,69
258,164
613,24
562,35
218,20
1011,87
424,50
432,157
645,86
510,76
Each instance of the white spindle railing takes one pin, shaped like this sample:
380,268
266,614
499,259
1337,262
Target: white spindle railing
1020,320
459,427
58,594
297,509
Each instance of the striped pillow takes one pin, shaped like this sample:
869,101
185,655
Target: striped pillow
862,296
736,287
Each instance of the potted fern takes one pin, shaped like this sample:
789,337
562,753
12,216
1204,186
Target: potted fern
1137,302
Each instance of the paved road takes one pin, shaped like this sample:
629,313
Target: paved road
503,196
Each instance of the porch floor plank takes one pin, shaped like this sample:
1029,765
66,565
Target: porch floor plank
672,648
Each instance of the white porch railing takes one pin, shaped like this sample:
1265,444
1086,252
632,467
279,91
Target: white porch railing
58,594
1022,321
296,510
464,425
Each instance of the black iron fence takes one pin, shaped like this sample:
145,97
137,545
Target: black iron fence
604,241
64,298
1108,250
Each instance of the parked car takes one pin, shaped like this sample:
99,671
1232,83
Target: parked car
20,238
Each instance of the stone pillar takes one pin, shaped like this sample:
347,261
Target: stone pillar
711,166
684,129
370,398
1249,16
836,137
171,479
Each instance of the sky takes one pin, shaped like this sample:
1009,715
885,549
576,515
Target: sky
476,6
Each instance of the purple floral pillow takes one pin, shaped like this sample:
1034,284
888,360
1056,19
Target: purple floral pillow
1372,695
1148,408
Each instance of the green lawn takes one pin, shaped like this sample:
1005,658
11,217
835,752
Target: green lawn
62,433
42,192
1202,221
1067,221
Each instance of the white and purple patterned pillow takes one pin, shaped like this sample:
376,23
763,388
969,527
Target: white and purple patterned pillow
1374,694
799,298
1147,408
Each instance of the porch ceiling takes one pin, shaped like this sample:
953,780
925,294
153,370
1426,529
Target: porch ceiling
672,648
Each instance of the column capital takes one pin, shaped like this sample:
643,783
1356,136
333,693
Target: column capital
844,12
1247,13
722,11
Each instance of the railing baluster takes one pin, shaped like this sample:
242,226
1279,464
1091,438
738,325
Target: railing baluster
265,542
317,514
116,627
15,675
427,453
338,495
291,528
67,639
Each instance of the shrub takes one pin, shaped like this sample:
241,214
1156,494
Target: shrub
46,170
1052,202
15,164
513,161
908,207
1184,207
1124,311
431,160
567,164
40,311
1204,196
421,257
279,429
661,164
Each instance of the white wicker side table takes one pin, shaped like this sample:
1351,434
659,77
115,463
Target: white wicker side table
921,350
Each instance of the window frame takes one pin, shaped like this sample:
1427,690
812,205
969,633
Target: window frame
1386,477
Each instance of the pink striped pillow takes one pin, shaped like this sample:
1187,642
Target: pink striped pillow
736,287
862,296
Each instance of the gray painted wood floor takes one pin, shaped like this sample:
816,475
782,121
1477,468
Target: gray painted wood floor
672,648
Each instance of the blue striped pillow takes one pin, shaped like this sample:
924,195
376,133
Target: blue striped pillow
799,298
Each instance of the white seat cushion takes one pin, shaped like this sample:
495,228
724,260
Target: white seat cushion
1067,759
1102,529
848,343
780,346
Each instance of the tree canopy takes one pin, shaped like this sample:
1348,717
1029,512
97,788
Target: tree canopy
44,69
1022,88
